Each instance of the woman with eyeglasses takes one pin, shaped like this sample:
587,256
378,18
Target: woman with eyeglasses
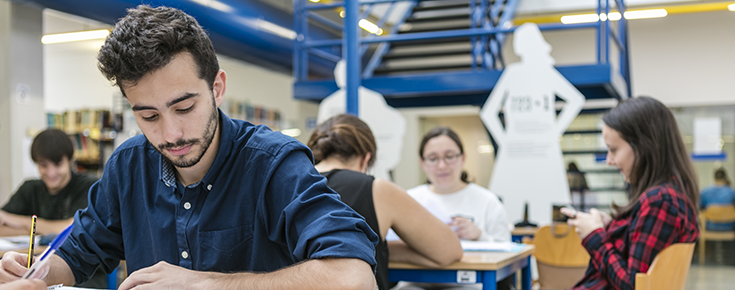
344,149
477,213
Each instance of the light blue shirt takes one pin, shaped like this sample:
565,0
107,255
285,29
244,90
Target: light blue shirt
718,195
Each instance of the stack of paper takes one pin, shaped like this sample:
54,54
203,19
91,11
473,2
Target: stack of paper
15,243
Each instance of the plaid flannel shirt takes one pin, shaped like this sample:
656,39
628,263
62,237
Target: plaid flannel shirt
629,243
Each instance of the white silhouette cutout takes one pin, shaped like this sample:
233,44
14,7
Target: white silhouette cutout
529,165
388,125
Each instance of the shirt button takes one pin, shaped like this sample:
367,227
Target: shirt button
209,187
184,255
187,205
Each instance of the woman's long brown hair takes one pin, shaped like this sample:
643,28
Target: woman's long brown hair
651,130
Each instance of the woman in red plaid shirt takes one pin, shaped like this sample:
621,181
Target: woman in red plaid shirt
644,143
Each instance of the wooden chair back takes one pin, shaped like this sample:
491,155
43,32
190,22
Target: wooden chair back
559,245
717,214
669,269
560,257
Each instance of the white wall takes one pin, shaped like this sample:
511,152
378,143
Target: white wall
685,59
71,78
681,59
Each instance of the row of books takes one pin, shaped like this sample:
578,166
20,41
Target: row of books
77,121
90,130
255,114
86,149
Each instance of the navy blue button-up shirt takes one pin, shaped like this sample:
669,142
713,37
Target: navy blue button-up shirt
261,206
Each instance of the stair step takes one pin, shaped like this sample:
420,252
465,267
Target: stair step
436,69
426,54
426,62
438,15
434,26
431,47
423,42
440,5
441,49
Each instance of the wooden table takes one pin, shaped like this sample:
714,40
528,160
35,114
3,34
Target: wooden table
475,267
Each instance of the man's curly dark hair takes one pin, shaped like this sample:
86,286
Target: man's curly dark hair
148,38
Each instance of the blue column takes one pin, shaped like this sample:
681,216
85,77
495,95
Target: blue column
526,275
489,280
351,38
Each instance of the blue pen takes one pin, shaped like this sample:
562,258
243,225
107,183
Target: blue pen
52,247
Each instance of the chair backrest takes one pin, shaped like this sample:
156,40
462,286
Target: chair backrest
559,245
669,269
560,257
719,213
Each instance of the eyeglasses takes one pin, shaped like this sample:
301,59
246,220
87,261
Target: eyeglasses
449,159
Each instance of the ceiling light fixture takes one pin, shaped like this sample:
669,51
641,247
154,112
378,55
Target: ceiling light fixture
366,24
293,132
731,7
642,14
370,27
614,16
75,36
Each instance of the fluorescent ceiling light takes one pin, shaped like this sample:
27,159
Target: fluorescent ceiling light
216,5
315,1
641,14
485,149
370,27
582,18
731,7
75,36
294,132
276,29
366,24
614,16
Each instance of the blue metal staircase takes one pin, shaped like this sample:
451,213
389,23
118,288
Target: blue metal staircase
446,52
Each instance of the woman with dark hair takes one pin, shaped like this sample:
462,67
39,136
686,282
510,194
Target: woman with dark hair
344,149
477,213
644,143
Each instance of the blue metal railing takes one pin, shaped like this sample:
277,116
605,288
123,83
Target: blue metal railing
486,24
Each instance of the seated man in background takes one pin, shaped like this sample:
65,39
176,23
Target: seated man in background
719,194
54,198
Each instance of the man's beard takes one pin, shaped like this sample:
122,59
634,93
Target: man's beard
205,141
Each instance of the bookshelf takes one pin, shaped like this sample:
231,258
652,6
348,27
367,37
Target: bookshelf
92,132
256,114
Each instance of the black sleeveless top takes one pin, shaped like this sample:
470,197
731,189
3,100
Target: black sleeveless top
356,190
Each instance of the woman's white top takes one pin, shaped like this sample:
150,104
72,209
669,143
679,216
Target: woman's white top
474,202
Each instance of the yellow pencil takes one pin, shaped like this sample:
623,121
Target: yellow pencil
32,242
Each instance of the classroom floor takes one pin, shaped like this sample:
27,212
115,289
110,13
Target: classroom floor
709,277
718,271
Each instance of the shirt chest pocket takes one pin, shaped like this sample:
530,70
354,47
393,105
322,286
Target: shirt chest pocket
226,250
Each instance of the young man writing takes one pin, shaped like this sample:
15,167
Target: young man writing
204,201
